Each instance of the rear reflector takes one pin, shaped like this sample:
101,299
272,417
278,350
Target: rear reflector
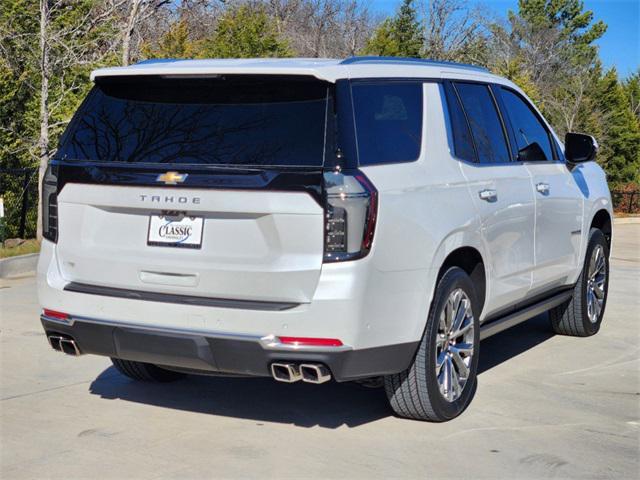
53,314
315,342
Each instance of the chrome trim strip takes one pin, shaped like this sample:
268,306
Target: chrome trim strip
68,321
267,342
179,299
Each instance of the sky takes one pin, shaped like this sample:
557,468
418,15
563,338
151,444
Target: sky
620,45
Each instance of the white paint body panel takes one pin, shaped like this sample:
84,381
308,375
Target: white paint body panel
558,224
507,229
264,246
268,245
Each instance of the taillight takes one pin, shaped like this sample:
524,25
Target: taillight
50,206
350,215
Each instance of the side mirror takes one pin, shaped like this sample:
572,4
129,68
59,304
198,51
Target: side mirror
579,148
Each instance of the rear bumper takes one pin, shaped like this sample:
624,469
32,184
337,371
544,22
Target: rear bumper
354,302
210,352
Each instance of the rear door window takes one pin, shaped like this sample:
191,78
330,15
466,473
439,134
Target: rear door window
227,120
462,141
484,121
532,137
388,119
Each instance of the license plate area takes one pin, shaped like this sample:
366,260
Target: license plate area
175,229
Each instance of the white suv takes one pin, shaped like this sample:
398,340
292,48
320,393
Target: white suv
317,219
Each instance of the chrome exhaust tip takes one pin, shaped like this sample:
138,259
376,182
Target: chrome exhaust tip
314,373
54,341
64,344
285,372
69,346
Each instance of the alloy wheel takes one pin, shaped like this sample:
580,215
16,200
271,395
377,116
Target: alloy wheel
596,279
454,345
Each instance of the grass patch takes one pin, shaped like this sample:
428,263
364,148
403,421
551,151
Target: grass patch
29,246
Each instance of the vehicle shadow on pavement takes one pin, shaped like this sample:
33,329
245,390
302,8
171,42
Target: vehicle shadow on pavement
329,406
514,341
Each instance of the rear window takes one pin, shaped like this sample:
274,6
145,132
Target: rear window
248,121
388,119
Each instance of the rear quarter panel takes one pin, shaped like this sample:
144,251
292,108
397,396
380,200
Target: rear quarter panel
425,212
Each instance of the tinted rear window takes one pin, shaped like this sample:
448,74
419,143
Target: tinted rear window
249,121
462,141
388,122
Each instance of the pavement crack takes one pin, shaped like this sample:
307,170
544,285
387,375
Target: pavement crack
620,360
515,428
28,394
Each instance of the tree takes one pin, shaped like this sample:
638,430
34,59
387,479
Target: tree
453,32
632,88
620,145
174,43
568,21
137,12
71,41
244,32
322,28
46,60
547,48
400,36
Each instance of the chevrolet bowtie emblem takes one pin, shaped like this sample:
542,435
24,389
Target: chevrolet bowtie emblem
172,178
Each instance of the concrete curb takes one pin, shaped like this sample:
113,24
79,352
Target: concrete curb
19,265
626,220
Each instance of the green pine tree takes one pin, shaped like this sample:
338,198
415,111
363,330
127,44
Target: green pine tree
174,43
632,88
620,143
244,32
569,18
400,36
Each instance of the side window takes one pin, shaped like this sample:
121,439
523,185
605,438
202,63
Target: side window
485,123
532,137
388,119
462,141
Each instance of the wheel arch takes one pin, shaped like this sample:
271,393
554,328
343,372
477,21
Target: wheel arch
471,261
602,221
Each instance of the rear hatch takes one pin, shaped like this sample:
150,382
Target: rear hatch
205,187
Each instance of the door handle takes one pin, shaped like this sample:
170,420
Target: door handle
488,194
542,188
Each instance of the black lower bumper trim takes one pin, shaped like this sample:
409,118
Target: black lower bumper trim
201,354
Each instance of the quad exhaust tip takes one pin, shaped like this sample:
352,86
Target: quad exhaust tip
64,344
307,372
285,372
315,373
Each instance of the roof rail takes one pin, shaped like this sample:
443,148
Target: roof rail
156,60
401,60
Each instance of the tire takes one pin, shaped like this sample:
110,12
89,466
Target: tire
573,317
145,372
416,392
